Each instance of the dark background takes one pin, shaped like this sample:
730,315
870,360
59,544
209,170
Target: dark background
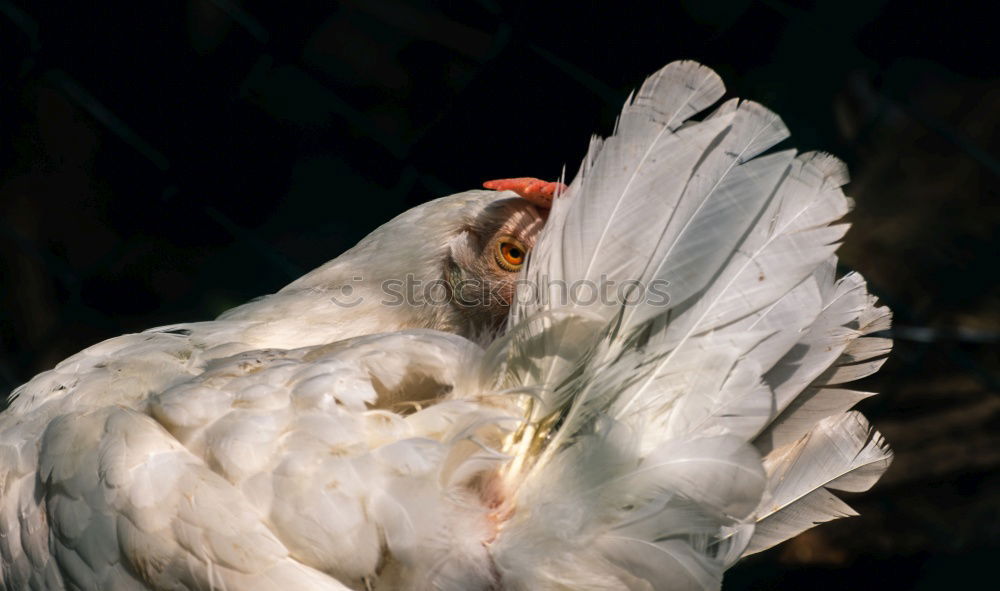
161,161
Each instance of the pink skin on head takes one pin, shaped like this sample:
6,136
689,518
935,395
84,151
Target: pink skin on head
534,190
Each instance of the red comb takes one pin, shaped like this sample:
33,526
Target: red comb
534,190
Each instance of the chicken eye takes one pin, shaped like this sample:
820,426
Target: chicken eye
510,254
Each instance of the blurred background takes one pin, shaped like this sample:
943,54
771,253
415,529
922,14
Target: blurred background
161,161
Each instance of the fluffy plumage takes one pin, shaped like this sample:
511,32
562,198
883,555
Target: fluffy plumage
433,266
645,442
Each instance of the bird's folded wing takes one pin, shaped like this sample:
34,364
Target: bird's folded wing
264,469
131,507
745,340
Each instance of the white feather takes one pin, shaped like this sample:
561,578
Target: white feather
754,319
842,453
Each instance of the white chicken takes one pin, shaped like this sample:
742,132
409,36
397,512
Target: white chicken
349,432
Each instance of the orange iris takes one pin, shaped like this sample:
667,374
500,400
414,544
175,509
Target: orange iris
511,255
